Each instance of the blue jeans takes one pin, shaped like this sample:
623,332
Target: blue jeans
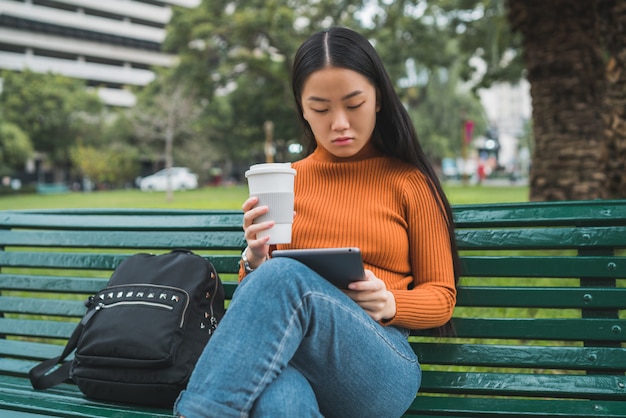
293,345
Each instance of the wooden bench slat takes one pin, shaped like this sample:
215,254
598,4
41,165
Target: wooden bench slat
540,238
475,266
224,240
16,367
540,329
521,356
543,266
92,261
36,328
574,298
229,288
74,285
220,221
29,350
42,306
69,394
603,212
204,213
605,387
63,284
48,404
454,406
542,297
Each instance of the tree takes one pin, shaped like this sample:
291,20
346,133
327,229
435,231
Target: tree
565,67
240,53
416,41
575,59
114,164
489,50
52,110
439,117
612,16
167,112
15,148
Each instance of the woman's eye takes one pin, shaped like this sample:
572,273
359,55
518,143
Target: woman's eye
356,106
320,110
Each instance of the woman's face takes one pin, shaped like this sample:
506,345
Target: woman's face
340,106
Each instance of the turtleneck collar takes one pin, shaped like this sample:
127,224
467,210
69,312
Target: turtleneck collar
368,151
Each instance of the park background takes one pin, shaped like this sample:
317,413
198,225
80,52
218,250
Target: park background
97,94
230,197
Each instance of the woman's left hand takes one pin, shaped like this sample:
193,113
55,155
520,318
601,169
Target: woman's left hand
372,295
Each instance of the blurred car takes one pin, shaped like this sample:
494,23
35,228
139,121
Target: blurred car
182,179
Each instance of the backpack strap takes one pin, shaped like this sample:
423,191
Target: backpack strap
39,376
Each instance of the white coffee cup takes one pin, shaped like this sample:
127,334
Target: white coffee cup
272,184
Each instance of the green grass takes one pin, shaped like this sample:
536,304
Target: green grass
459,194
220,198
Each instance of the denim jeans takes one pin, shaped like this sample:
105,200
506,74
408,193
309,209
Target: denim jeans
293,345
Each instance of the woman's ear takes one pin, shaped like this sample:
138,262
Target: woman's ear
377,100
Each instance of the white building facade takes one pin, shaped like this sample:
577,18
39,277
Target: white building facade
111,44
508,108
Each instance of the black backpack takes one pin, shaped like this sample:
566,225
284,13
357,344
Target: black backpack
142,335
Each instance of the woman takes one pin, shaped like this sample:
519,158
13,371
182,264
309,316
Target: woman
292,344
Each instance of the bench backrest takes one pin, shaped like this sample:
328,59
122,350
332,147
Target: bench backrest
541,304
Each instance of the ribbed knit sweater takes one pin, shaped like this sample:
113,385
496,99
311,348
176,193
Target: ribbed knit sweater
383,206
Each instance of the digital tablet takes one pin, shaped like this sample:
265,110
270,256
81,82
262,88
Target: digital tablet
339,266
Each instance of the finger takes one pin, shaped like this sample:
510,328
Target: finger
250,232
368,284
249,203
252,214
259,247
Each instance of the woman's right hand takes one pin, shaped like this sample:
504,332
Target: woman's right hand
258,249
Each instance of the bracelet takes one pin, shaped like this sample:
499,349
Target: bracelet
246,263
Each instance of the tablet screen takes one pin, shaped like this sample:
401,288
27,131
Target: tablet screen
340,266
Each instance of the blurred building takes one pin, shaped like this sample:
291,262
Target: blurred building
508,108
108,43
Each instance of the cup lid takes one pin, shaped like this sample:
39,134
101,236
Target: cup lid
270,168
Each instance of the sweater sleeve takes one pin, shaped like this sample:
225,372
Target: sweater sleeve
430,302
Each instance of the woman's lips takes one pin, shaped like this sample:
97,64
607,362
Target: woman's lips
344,140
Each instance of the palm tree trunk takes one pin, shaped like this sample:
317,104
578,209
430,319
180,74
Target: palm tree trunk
562,51
612,15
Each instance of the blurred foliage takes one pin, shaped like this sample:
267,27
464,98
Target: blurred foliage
53,110
489,50
15,148
239,53
235,59
113,165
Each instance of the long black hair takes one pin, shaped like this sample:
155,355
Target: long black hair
394,133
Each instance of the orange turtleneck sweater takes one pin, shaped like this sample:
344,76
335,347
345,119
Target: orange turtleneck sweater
383,206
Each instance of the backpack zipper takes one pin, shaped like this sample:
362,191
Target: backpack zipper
213,321
156,305
113,288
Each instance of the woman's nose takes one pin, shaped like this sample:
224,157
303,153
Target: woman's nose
340,121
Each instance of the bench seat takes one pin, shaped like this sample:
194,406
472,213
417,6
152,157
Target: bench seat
540,319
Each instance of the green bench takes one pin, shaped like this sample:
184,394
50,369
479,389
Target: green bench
541,316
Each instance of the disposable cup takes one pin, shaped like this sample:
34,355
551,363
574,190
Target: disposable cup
272,184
